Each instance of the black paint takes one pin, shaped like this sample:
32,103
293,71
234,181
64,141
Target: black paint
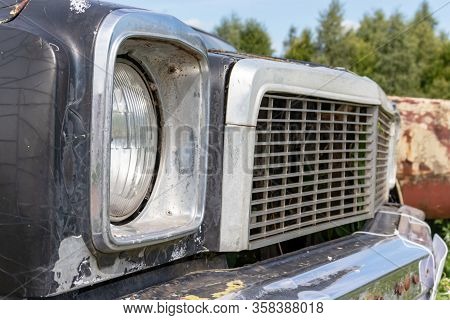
46,68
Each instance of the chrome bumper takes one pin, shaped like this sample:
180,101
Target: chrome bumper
395,257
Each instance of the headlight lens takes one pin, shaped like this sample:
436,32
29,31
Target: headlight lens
134,142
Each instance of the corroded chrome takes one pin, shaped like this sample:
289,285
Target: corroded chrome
255,86
174,57
393,258
312,166
382,159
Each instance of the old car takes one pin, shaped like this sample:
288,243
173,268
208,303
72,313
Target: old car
141,158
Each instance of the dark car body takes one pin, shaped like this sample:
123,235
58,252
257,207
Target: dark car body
47,246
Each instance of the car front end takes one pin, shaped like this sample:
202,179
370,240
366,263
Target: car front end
139,161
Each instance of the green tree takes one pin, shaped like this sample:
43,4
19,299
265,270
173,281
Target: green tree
405,57
330,34
292,34
336,45
438,85
390,53
355,54
427,46
230,29
300,47
249,36
373,28
255,39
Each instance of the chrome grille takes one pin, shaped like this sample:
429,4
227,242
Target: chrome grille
313,167
381,189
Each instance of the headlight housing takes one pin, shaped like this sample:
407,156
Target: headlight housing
134,142
148,182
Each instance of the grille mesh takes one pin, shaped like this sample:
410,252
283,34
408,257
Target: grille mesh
381,189
312,167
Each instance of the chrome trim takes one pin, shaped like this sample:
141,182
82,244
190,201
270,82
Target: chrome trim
237,184
250,80
116,28
393,258
383,157
313,166
395,138
387,139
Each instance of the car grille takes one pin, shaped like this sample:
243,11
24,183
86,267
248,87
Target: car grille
381,187
313,167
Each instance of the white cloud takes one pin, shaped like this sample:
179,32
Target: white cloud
350,25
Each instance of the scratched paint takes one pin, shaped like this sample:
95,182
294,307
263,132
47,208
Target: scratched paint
423,154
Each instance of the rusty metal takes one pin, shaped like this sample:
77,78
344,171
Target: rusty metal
11,9
374,264
423,155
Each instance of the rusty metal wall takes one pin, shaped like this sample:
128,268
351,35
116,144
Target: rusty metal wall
423,154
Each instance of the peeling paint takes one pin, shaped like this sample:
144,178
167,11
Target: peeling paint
423,154
422,149
192,297
84,271
15,10
232,286
79,6
424,119
77,266
179,252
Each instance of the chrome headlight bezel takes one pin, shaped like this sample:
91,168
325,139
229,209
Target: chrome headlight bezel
179,66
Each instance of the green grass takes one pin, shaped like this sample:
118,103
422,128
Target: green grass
444,289
442,227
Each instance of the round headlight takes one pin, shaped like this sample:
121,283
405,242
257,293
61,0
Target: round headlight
134,142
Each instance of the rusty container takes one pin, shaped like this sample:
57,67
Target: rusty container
423,155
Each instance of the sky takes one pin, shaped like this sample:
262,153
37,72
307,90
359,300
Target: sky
279,15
